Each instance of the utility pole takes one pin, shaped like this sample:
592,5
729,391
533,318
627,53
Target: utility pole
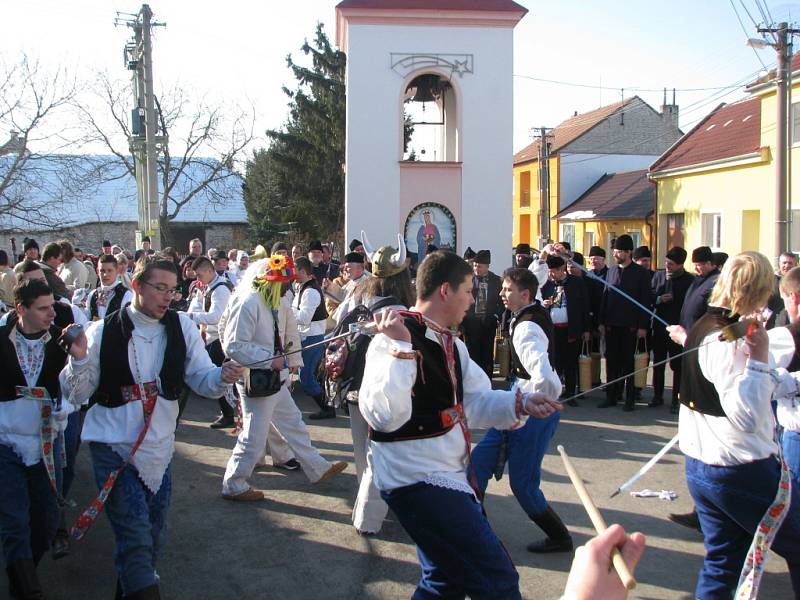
782,34
145,143
544,186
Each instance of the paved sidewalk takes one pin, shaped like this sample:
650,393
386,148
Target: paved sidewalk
299,543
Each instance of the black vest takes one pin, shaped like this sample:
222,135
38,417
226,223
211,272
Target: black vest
64,315
207,296
113,305
115,371
54,360
320,314
697,392
432,391
535,313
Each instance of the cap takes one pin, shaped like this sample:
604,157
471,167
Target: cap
554,262
469,253
677,255
597,251
522,249
315,245
624,242
483,257
702,254
354,257
642,252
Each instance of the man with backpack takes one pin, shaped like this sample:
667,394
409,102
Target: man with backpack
309,311
207,304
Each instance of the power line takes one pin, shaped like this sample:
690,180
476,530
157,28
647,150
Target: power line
616,89
744,29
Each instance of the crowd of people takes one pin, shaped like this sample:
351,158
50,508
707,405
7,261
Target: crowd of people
106,350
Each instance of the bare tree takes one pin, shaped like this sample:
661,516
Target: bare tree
206,142
35,186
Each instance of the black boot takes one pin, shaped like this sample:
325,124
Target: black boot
689,520
23,582
675,406
118,595
325,411
148,593
558,538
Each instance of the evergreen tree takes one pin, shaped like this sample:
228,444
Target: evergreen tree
296,185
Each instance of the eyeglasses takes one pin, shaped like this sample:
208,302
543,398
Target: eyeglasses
162,289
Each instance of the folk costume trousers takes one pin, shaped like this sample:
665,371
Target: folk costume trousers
620,347
524,450
479,334
458,552
566,351
730,503
28,508
663,347
137,515
257,414
369,510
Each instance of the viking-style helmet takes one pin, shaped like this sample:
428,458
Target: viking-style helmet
386,260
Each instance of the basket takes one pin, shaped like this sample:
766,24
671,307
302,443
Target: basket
585,368
640,362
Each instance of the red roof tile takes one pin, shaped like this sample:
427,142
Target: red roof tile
570,130
770,75
437,5
729,130
616,196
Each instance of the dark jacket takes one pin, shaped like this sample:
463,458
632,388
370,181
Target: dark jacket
677,286
618,311
595,284
578,317
696,302
494,306
55,282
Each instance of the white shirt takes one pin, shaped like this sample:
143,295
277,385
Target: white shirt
304,306
385,403
219,300
120,427
73,274
530,344
747,431
539,268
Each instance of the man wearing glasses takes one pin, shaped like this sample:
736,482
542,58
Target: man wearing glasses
130,426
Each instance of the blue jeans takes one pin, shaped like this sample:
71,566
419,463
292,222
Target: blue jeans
525,451
28,508
458,552
311,358
730,502
72,443
138,518
791,454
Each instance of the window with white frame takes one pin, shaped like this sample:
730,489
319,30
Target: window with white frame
636,236
568,234
711,230
588,240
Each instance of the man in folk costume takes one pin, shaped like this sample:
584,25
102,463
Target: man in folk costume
741,490
131,424
480,324
112,293
532,354
257,312
208,302
31,362
419,388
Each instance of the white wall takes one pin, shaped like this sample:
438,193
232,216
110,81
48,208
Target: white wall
374,130
580,171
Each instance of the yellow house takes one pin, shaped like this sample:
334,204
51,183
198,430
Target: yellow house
619,138
716,186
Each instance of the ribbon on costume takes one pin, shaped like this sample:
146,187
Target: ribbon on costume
47,433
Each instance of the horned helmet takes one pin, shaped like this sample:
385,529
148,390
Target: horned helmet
386,260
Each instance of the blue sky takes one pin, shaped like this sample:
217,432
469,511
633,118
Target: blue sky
236,49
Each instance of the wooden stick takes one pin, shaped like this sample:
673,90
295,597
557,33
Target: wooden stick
597,520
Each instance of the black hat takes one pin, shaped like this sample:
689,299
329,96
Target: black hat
355,243
554,262
566,245
315,245
219,255
279,246
642,252
577,258
483,257
702,254
29,243
597,251
106,243
469,253
677,255
624,242
719,258
146,238
354,257
522,249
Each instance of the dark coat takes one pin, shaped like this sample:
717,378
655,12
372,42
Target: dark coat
595,284
578,318
677,286
696,302
618,311
494,306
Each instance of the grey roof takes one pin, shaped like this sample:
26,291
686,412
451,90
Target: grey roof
75,190
614,196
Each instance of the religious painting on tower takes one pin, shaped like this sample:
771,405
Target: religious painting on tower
430,224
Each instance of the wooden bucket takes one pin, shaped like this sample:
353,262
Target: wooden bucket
585,368
640,362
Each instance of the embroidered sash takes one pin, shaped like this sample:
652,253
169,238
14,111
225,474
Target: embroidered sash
47,433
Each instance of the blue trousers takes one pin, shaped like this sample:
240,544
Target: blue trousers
525,451
311,358
72,443
730,502
137,516
458,552
28,508
791,454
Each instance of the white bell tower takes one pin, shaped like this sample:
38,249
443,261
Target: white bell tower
429,122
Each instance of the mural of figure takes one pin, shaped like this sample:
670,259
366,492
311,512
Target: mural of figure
428,234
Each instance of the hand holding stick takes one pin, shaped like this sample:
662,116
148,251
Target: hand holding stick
597,520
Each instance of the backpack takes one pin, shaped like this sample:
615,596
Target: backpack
345,358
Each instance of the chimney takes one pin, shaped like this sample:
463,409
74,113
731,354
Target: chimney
669,112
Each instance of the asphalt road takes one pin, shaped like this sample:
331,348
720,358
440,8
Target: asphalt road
300,544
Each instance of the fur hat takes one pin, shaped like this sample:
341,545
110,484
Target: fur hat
522,249
624,242
483,257
597,251
642,252
677,255
354,257
469,253
702,254
554,262
315,245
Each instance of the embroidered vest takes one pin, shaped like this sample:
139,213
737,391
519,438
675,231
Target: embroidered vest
320,314
207,296
697,392
115,370
113,305
432,391
54,360
535,313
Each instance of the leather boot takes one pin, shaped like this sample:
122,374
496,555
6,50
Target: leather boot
558,538
325,411
148,593
23,582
